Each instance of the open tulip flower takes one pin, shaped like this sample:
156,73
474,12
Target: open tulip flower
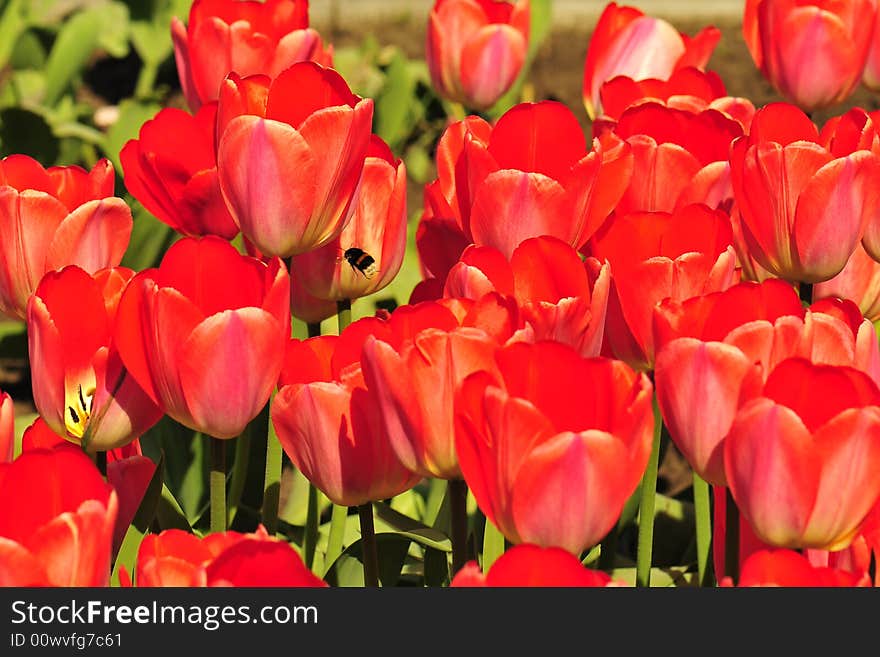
803,207
529,175
715,352
801,458
783,567
812,52
679,157
530,565
556,299
242,36
330,425
551,421
50,218
368,253
290,156
655,256
81,388
171,168
629,43
177,558
202,332
689,89
64,538
476,48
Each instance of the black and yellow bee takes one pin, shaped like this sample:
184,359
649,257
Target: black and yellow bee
361,261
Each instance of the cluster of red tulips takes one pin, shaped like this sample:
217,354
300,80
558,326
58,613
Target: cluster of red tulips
701,269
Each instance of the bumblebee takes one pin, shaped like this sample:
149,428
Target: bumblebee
361,261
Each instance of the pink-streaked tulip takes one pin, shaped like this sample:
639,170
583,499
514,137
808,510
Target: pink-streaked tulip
368,253
679,158
330,425
290,156
476,49
627,42
688,89
800,459
177,558
51,218
81,388
202,332
414,382
803,207
7,428
556,299
655,256
812,52
60,530
530,565
859,280
241,36
529,175
171,168
551,426
714,354
790,569
871,72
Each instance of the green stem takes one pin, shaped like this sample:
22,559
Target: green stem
218,485
493,544
368,545
703,514
146,79
271,481
646,505
731,538
458,491
311,538
239,473
337,535
343,314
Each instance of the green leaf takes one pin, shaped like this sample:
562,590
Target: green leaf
660,577
411,529
348,569
77,40
436,568
29,52
169,514
140,525
115,29
150,238
394,104
12,24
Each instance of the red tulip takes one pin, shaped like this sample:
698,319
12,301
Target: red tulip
530,565
688,89
813,53
803,207
859,280
655,256
556,299
800,459
476,48
626,42
176,558
60,528
50,218
307,307
871,73
529,175
679,158
413,375
368,253
202,333
714,354
290,156
330,425
789,568
7,428
243,36
81,388
171,168
552,445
